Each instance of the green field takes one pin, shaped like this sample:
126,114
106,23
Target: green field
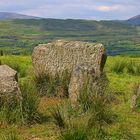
122,72
21,36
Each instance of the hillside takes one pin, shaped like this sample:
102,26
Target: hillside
118,38
6,15
134,20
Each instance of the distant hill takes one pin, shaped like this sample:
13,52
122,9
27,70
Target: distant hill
11,16
21,32
134,20
118,38
7,16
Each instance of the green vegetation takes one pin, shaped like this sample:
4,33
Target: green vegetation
20,36
9,136
125,65
39,117
53,85
21,109
88,124
21,64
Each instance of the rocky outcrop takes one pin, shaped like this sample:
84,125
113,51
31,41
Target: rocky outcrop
59,56
8,81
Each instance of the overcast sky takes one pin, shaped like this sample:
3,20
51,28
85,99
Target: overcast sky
78,9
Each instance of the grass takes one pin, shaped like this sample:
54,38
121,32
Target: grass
21,109
20,36
9,136
56,85
75,133
74,122
125,65
22,64
96,107
58,117
30,103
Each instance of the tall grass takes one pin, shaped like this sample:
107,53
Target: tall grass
124,65
94,114
30,103
118,66
9,136
122,133
58,117
22,64
10,109
133,67
21,109
81,127
75,132
50,85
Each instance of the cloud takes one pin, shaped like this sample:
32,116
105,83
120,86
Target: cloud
100,9
109,8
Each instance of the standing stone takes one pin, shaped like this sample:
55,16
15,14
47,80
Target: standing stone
85,74
133,101
59,56
135,96
8,81
79,59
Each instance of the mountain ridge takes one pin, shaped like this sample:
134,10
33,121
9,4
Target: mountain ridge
134,20
8,16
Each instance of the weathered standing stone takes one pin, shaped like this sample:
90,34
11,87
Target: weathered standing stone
80,59
135,96
8,81
85,74
80,75
61,55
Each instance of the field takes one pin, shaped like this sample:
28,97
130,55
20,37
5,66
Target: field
21,36
114,121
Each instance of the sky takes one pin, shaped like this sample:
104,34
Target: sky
74,9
